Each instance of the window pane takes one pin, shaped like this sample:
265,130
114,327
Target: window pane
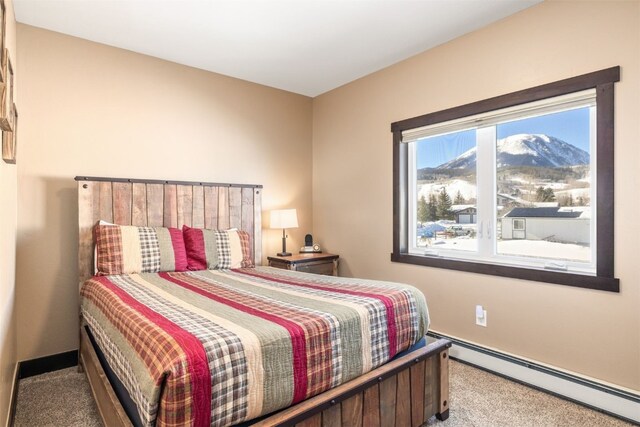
543,186
446,191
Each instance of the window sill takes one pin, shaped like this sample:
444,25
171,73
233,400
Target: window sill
608,284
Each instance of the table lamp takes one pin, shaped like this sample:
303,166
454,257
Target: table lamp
284,218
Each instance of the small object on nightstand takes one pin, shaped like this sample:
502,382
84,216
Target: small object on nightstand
318,263
309,247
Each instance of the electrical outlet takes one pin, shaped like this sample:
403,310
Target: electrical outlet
481,316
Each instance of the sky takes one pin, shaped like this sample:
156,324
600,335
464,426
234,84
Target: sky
570,126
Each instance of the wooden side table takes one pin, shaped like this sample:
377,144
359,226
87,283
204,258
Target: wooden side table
321,263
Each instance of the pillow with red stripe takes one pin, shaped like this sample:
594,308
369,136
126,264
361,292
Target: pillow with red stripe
126,249
217,249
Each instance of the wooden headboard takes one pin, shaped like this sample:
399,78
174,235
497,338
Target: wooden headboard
156,203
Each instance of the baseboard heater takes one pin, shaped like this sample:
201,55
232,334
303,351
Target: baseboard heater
612,401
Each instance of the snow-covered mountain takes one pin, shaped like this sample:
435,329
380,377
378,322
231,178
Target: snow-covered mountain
527,150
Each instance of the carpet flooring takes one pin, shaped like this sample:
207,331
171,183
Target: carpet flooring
60,398
478,399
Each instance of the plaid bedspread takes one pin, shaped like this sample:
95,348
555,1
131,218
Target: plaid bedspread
218,347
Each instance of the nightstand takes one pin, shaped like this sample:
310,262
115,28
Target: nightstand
322,263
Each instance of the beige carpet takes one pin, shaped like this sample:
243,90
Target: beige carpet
60,398
478,399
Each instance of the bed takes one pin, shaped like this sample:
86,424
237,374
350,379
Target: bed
359,357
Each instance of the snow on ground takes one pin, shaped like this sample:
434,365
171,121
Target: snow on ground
517,179
575,193
586,179
467,189
553,185
531,248
529,185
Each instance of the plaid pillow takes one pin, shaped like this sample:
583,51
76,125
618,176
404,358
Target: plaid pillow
217,249
126,249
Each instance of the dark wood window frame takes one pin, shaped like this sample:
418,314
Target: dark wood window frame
603,82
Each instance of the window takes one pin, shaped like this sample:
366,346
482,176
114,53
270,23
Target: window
519,185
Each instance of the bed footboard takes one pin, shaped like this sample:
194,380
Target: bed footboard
405,392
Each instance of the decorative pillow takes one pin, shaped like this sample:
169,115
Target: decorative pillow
217,249
126,249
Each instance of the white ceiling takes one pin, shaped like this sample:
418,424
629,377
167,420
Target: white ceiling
303,46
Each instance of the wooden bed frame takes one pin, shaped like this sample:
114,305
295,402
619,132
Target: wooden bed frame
404,392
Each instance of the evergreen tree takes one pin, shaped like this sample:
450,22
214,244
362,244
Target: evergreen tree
567,200
549,195
432,208
545,194
444,205
423,214
459,200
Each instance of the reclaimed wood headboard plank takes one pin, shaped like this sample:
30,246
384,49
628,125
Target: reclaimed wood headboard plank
198,207
88,205
184,205
211,207
155,205
139,204
257,224
122,201
106,202
170,206
235,207
223,208
247,214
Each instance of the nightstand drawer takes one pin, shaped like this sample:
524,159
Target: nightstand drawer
317,263
317,268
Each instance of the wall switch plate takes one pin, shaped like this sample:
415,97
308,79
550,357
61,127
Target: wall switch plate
481,316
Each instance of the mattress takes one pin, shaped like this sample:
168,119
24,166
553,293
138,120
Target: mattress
222,347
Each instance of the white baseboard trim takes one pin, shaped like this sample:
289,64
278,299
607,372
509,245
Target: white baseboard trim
616,402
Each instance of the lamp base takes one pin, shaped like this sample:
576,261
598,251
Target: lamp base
284,254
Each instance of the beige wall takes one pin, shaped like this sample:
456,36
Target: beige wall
592,333
8,188
90,109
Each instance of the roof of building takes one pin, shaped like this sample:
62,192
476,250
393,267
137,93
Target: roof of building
527,202
457,208
543,213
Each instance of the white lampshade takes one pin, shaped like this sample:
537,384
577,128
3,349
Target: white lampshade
284,218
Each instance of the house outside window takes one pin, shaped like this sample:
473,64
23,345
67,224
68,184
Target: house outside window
519,185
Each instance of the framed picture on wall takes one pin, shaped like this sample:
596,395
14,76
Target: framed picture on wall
3,32
10,139
6,115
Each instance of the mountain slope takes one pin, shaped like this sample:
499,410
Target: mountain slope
526,150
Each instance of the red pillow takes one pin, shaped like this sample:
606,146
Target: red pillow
217,249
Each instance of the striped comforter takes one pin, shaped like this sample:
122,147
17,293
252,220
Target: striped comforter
218,347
